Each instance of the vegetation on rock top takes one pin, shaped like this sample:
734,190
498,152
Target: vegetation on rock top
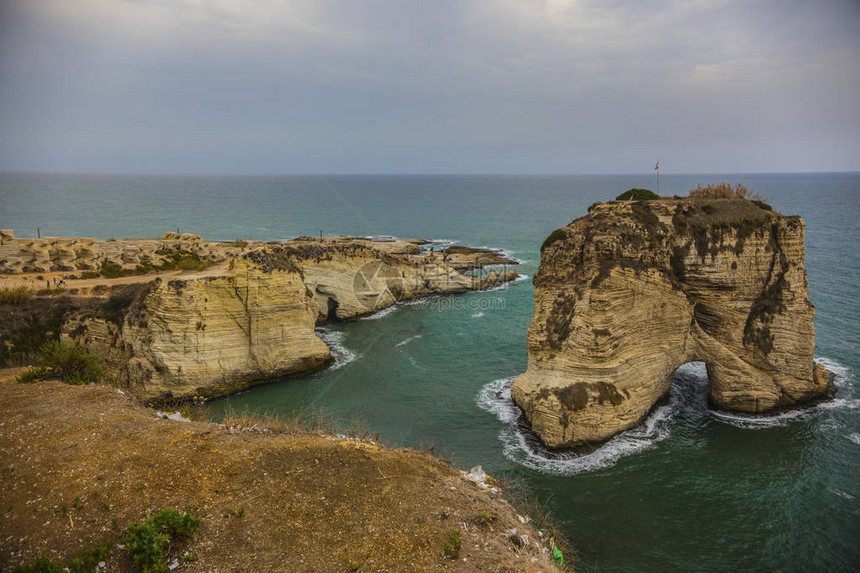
637,194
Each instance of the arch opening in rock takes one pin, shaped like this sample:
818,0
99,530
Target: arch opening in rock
690,385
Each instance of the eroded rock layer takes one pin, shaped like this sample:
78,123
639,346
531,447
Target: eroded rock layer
627,294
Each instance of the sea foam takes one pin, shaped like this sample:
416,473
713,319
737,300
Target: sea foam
688,393
341,354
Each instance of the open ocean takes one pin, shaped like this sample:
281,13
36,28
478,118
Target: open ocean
690,490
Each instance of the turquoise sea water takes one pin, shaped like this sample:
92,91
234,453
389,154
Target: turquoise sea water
691,490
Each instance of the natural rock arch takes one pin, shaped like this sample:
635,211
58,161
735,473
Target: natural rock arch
634,290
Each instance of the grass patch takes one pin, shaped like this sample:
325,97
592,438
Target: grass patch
115,307
724,191
637,194
149,541
86,560
301,423
452,545
172,259
556,235
16,295
70,363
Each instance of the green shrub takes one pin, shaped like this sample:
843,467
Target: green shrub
70,363
149,540
556,235
637,194
113,309
33,375
113,271
453,543
15,295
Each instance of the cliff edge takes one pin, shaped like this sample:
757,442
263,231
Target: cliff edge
81,463
630,292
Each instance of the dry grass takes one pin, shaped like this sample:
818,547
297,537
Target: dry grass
15,295
302,423
267,501
724,191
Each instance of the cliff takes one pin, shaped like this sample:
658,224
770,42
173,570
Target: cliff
214,333
630,292
209,337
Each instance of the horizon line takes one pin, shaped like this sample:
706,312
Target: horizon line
413,174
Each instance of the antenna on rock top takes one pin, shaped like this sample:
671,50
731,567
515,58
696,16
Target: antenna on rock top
657,169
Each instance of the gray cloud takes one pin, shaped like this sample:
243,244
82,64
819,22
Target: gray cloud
469,86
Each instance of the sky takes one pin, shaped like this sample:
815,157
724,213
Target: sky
447,86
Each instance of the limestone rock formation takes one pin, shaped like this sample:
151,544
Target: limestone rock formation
210,336
630,292
213,335
351,279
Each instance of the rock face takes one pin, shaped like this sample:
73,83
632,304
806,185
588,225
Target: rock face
211,336
627,294
350,279
214,335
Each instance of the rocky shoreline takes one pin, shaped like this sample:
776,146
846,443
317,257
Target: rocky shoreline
180,317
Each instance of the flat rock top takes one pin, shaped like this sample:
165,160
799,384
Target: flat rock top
311,502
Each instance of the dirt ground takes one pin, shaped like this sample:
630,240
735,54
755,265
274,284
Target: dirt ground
78,464
83,286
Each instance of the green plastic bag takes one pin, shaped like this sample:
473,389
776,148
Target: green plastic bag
557,556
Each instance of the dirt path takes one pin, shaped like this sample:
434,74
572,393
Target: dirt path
30,280
81,463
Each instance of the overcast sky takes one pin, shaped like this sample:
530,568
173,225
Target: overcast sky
467,86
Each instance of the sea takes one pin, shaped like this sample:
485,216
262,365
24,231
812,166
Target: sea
691,489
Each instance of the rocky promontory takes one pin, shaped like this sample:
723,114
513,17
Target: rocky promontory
179,317
630,292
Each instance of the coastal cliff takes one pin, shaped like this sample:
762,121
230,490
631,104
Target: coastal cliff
252,319
630,292
209,336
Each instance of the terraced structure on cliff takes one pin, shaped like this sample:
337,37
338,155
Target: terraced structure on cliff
630,292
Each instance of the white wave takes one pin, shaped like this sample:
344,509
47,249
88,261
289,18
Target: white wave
522,448
842,374
504,253
478,315
508,284
341,354
688,393
495,398
380,313
406,341
841,493
751,422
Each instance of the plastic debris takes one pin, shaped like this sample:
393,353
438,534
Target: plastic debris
557,556
178,417
477,475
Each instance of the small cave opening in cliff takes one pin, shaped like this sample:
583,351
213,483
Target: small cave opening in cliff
331,311
689,390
